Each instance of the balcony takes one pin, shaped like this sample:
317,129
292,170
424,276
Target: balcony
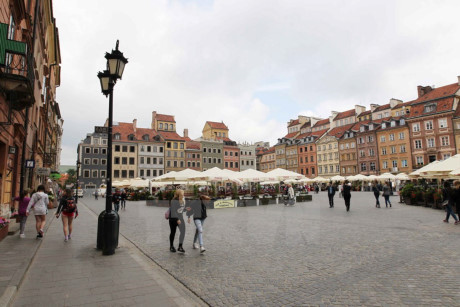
16,71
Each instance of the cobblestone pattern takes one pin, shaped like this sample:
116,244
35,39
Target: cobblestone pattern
309,254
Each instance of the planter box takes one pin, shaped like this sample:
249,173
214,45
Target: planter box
246,202
3,232
303,198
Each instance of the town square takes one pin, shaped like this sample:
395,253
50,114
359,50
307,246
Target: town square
229,153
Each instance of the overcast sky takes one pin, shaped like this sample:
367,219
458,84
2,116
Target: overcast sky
253,64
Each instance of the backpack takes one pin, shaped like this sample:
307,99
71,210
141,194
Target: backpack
71,207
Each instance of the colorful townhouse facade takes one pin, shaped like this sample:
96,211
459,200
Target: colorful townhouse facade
367,147
268,160
248,158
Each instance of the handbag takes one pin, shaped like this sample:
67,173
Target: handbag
445,203
167,213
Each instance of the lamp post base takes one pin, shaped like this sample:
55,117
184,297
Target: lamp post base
108,230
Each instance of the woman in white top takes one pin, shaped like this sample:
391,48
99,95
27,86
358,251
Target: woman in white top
39,203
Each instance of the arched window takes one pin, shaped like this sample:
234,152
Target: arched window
131,137
145,137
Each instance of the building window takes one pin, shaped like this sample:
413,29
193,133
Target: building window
103,161
95,161
419,160
86,173
401,135
402,148
403,163
384,151
385,165
446,156
371,152
382,139
416,127
124,148
132,148
94,174
418,144
131,174
96,150
124,160
104,151
393,149
392,137
117,136
131,161
442,122
363,167
131,137
372,166
87,150
116,160
445,141
87,161
430,108
429,125
116,174
430,143
117,148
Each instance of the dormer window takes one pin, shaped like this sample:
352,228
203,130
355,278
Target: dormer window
145,137
161,125
384,125
371,127
131,137
430,108
117,136
361,129
393,123
166,126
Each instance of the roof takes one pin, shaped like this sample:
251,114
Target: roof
192,144
322,122
126,129
339,131
442,105
290,135
303,135
165,118
345,114
293,123
436,93
365,113
382,107
319,133
170,136
216,125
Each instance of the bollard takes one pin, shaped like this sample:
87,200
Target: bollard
100,230
111,223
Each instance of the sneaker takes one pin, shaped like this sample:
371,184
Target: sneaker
172,249
39,235
195,246
202,249
41,232
66,239
181,249
446,221
21,235
457,222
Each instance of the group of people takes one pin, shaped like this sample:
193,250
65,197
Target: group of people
344,190
175,215
378,190
119,198
38,205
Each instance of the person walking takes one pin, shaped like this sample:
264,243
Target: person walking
68,209
199,215
330,194
316,188
23,200
96,194
176,220
448,200
386,194
39,203
340,190
347,194
124,196
116,197
376,191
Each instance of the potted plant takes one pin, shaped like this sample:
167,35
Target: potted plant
408,193
4,223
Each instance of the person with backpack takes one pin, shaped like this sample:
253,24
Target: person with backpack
39,204
68,209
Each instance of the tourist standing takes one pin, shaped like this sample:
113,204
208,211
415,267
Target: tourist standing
176,219
376,191
199,215
39,203
68,209
23,200
347,194
96,194
330,194
124,196
386,194
448,200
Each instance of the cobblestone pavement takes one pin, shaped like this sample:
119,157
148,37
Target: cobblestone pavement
309,254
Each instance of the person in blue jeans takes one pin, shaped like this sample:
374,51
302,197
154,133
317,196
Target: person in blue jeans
199,215
330,194
449,195
376,191
386,194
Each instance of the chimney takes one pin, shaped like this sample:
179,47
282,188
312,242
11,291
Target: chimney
458,78
185,133
394,102
359,109
374,106
134,125
154,115
422,90
334,114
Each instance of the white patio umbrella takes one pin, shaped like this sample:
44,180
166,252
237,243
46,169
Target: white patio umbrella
371,178
165,176
402,176
320,179
360,177
455,173
387,176
251,175
139,183
282,174
337,178
119,184
442,169
182,175
416,174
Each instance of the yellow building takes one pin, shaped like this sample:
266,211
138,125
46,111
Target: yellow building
456,125
394,146
214,130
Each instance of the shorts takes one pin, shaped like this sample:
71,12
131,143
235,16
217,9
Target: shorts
69,214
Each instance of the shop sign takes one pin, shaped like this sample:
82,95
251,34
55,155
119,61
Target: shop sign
224,203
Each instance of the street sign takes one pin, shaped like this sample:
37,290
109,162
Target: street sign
42,171
30,163
99,129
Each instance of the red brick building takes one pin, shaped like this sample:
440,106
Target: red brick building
367,149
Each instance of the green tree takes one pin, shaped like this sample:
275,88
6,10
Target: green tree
72,179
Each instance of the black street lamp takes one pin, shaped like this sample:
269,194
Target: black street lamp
78,183
108,222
